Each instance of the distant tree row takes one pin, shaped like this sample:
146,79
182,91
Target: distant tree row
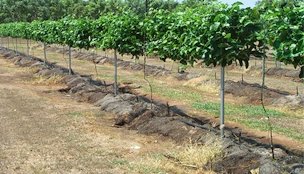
272,4
30,10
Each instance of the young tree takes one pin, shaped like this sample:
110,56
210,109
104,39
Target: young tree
288,40
122,34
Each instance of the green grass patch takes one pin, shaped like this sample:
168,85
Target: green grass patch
236,110
120,162
173,94
75,114
105,76
146,168
251,116
263,126
289,132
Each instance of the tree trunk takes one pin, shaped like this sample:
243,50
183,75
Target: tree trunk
145,78
262,102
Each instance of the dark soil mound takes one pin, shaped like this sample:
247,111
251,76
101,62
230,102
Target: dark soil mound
278,72
281,72
253,91
187,76
238,162
291,101
150,69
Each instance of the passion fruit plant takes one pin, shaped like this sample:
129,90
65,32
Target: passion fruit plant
123,35
288,40
217,34
214,33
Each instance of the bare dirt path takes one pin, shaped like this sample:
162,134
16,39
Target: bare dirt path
42,131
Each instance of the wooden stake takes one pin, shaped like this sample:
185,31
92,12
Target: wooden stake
242,78
168,109
297,89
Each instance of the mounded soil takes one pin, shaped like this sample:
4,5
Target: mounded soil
253,92
281,72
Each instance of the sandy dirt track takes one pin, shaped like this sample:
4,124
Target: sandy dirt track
43,131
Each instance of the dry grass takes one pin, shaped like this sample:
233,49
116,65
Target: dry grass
204,84
189,158
11,67
29,70
197,155
42,80
255,171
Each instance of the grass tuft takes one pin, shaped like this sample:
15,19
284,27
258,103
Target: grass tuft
187,159
42,80
197,155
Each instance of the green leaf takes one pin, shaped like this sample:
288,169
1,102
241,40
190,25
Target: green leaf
228,36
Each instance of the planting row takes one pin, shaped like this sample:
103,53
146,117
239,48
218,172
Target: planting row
239,89
135,112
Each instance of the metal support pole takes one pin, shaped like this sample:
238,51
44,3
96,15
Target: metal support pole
8,43
70,61
44,52
28,47
16,44
115,73
242,78
222,94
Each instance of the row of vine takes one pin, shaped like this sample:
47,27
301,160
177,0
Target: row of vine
216,33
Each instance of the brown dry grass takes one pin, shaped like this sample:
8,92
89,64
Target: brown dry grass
204,84
42,80
197,155
189,158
